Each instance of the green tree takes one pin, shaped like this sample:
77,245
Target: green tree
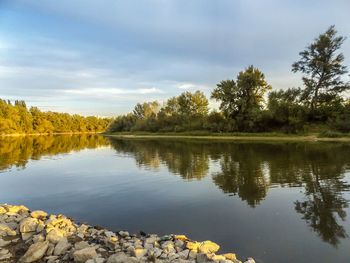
285,109
191,104
146,109
322,67
242,99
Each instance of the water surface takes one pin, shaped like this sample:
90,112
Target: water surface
277,202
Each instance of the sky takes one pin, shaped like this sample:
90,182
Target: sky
102,57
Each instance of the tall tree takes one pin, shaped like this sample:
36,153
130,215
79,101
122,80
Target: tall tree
191,104
322,67
146,109
243,98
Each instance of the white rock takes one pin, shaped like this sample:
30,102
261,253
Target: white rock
5,254
54,236
28,224
38,214
5,230
62,246
4,243
249,260
124,233
81,245
96,260
35,252
27,236
84,254
118,258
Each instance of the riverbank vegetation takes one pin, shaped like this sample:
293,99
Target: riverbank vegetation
248,103
16,118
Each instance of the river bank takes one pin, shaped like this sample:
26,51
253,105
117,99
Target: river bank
232,137
34,236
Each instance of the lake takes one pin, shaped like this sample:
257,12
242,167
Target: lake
276,202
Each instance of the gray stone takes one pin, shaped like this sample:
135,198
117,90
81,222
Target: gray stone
249,260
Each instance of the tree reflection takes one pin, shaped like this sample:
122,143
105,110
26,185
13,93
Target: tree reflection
248,170
16,151
189,160
243,173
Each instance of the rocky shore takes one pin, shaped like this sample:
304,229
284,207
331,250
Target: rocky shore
35,236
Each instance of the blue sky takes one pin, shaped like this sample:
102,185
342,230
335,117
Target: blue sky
102,57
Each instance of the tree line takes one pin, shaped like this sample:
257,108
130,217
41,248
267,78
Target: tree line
248,104
16,118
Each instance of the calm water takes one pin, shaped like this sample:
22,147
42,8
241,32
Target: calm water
277,202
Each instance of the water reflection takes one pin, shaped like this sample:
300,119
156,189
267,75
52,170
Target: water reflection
247,170
250,169
16,151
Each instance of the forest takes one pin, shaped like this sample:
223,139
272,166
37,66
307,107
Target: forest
16,118
248,103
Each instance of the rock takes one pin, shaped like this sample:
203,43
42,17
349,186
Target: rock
218,257
202,258
230,256
38,214
192,254
51,259
4,243
41,226
28,224
55,235
5,254
184,254
35,252
139,252
165,238
96,260
16,209
193,245
2,210
38,238
80,245
208,247
151,240
123,233
249,260
27,236
117,258
50,250
82,229
84,254
62,246
5,230
181,237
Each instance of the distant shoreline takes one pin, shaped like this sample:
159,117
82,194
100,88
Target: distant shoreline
233,137
45,134
314,137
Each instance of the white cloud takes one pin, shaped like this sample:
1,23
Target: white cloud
186,86
113,91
